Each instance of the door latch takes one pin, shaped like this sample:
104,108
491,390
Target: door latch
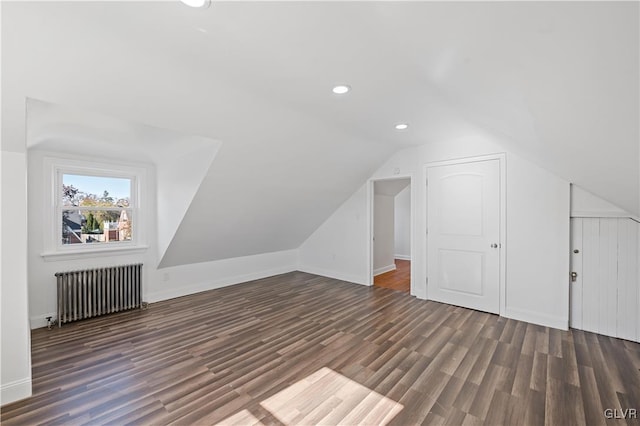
574,276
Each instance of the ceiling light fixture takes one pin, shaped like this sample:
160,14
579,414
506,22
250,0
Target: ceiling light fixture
402,126
341,89
203,4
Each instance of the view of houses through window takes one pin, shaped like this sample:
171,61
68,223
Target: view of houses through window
95,209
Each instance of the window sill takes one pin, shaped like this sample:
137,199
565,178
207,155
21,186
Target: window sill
53,256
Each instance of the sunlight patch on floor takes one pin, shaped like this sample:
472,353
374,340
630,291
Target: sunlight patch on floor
241,418
328,397
324,397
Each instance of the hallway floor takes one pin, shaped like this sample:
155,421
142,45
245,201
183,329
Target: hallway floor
400,279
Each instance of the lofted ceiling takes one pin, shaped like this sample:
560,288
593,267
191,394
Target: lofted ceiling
558,81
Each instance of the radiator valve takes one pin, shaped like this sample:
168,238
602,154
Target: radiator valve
51,322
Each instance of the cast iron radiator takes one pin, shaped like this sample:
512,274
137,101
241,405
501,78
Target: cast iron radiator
100,291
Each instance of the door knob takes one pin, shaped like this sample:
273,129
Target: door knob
494,245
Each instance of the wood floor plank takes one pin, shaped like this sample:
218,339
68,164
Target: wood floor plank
499,409
303,349
522,378
535,409
398,279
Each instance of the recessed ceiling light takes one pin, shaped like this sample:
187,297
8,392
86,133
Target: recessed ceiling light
197,3
341,89
402,126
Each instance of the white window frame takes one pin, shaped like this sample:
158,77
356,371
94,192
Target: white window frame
55,169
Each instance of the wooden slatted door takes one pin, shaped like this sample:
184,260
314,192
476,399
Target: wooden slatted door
605,297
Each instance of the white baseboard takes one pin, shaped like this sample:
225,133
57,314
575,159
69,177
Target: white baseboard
172,293
40,321
536,318
333,274
402,257
384,269
15,391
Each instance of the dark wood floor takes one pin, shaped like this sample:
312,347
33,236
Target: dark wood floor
400,279
299,348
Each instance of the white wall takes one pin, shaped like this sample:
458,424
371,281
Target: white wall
177,281
537,240
585,204
336,248
383,231
402,224
179,176
15,373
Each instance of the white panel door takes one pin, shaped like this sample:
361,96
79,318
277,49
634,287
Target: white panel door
463,241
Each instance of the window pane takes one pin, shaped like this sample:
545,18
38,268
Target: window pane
100,191
96,226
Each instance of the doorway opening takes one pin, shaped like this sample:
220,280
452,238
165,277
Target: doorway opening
391,234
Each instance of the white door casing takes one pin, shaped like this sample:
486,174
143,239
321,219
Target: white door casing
463,233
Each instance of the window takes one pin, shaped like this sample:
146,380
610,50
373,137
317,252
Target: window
95,209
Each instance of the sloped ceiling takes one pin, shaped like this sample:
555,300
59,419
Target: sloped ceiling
557,81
